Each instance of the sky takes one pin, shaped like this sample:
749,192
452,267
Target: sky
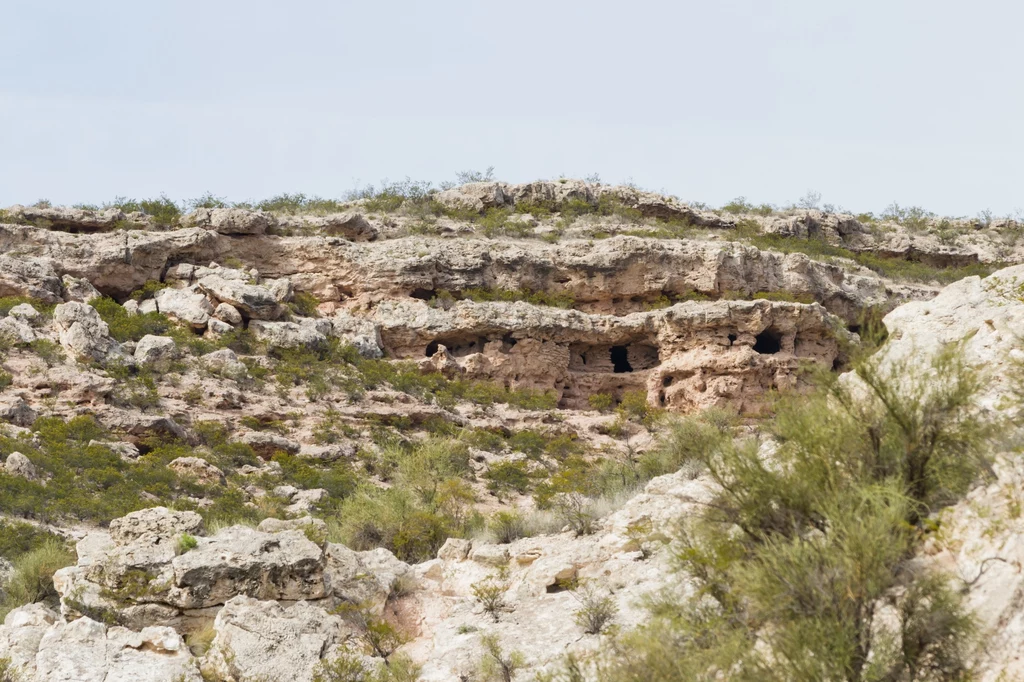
867,103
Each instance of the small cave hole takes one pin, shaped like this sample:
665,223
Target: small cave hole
619,360
508,341
768,342
431,348
666,382
853,328
732,339
423,294
661,398
556,587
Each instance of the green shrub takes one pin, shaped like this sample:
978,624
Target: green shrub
162,209
5,379
597,610
49,351
8,302
602,402
18,538
125,327
507,526
497,665
208,200
148,290
186,542
305,304
32,578
793,557
508,477
490,592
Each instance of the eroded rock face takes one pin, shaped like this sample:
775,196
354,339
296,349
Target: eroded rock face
689,356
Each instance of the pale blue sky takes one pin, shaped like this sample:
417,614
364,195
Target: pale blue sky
867,103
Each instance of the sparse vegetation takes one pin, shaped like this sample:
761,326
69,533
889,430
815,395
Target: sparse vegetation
801,552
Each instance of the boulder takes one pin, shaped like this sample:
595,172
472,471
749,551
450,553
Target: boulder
14,410
215,328
157,352
88,651
330,452
79,289
225,363
197,469
85,334
154,526
245,561
476,196
267,641
254,301
266,444
71,219
19,465
129,452
25,312
306,333
351,226
232,221
186,305
228,313
17,330
360,332
552,194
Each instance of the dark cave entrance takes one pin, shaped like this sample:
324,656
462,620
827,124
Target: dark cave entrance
620,361
768,342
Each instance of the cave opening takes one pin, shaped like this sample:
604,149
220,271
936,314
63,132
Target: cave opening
431,348
620,361
768,342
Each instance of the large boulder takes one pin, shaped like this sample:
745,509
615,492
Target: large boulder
254,301
362,333
185,305
306,333
231,221
476,196
31,277
267,641
225,363
21,466
157,352
79,289
86,335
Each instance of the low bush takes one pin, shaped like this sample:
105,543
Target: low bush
794,558
125,327
32,578
162,209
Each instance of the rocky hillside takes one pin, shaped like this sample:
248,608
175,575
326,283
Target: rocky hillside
433,429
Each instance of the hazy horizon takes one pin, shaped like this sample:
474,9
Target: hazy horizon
867,105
